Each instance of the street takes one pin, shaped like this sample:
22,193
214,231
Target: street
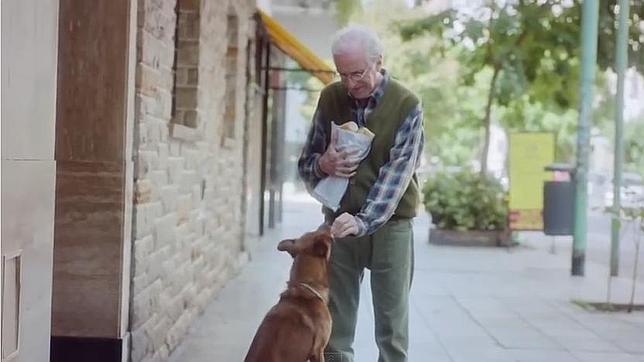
598,248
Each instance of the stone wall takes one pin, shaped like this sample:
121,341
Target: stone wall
188,225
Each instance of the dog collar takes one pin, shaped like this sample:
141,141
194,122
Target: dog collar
312,290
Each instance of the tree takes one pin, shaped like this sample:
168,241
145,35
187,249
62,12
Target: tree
531,49
345,9
450,117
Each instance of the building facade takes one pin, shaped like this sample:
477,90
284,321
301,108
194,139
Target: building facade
139,138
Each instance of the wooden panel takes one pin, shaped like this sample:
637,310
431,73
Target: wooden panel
92,76
90,185
87,249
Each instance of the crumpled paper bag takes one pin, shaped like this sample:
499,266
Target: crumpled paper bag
329,190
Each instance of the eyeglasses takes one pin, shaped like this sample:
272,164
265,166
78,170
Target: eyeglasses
354,76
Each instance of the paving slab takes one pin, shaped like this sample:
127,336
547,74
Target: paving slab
470,304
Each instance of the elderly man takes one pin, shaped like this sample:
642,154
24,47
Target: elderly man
373,226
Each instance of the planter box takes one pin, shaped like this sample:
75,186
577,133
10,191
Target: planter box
469,238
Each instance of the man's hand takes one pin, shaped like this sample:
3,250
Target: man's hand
334,162
344,225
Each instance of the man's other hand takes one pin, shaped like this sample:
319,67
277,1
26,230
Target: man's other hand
334,163
344,225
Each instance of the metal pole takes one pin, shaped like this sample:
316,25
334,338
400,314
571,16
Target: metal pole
262,179
589,18
621,57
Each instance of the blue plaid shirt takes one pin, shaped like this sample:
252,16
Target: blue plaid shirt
394,176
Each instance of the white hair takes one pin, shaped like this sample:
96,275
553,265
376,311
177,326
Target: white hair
346,39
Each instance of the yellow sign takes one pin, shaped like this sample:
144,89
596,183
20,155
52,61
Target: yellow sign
530,153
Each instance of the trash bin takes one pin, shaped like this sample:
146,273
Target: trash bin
558,201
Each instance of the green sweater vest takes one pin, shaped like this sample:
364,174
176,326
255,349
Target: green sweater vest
390,112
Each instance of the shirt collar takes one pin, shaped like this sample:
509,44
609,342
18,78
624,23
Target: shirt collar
377,93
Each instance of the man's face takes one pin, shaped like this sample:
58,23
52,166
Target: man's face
358,75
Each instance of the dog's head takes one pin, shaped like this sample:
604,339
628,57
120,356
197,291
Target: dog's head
315,243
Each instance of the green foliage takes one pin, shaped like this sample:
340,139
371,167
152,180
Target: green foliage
608,31
526,43
534,46
465,201
345,9
537,87
451,117
634,145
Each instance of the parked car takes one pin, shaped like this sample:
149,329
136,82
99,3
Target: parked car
631,192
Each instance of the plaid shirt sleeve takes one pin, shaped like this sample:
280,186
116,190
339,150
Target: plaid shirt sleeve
394,176
315,145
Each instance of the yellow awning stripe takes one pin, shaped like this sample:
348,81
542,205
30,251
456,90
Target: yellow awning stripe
289,44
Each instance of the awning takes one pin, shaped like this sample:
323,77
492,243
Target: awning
289,44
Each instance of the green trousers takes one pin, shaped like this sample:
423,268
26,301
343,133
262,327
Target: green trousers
389,255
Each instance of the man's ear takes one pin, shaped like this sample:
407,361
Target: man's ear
322,246
287,245
379,63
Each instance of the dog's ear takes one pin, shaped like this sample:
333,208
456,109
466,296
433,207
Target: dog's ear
322,246
287,245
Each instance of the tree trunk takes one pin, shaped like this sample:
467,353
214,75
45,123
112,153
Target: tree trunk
486,121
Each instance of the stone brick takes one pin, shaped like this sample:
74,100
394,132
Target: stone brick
159,177
190,5
154,269
151,50
147,79
143,105
141,138
184,205
186,97
139,282
189,178
197,192
140,345
143,221
188,53
154,131
159,331
147,162
178,331
142,191
160,25
168,197
164,101
175,148
181,78
164,230
175,167
141,308
193,76
164,352
143,247
183,240
162,152
191,119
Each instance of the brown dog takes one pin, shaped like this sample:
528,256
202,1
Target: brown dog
298,327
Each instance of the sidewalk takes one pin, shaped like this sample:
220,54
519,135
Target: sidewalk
467,304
